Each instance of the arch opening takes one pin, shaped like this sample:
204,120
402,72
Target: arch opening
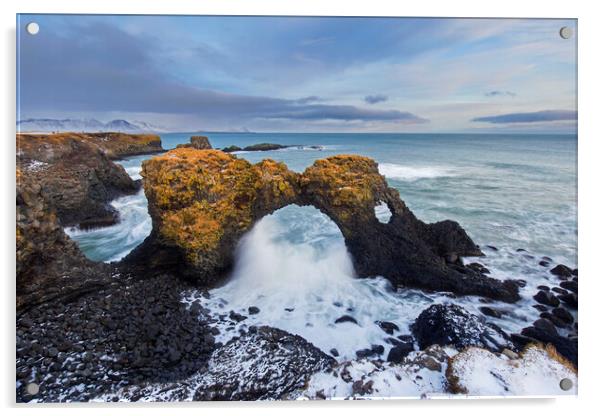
382,212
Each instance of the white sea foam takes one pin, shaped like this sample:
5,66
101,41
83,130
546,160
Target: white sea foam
413,173
295,268
116,241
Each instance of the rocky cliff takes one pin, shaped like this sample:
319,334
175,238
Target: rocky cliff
203,201
63,180
114,145
49,264
75,173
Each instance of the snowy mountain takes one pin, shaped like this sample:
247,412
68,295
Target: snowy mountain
87,125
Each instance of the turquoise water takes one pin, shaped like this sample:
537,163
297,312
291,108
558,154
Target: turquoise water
516,191
508,191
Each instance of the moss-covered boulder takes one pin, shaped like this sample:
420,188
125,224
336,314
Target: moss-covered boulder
113,145
202,202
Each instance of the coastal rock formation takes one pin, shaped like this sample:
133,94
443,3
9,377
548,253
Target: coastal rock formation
197,142
262,363
114,145
260,147
202,202
130,331
536,370
49,264
77,178
455,326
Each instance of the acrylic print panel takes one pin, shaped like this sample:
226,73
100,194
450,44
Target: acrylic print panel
290,208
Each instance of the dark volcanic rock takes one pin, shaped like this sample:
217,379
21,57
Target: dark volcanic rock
453,325
197,142
232,148
486,310
253,310
237,317
261,147
546,298
570,300
374,350
563,315
540,308
346,318
565,346
562,271
570,285
546,326
399,352
200,233
77,179
49,264
267,364
129,332
388,327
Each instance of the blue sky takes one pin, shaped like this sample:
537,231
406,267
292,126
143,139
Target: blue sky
301,74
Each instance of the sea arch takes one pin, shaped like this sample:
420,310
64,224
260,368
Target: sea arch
203,201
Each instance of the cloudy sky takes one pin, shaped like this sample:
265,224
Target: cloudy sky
301,74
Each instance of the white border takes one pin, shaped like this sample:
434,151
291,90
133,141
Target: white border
590,33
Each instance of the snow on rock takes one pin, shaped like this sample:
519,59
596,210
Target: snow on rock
421,374
35,166
537,371
262,364
453,325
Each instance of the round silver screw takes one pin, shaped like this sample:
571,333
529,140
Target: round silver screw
32,388
566,32
32,28
566,384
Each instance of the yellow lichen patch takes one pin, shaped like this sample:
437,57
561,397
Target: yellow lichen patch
280,180
199,195
113,144
345,180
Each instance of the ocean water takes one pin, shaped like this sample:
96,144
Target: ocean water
508,191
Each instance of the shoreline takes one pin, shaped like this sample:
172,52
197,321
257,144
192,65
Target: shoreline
53,356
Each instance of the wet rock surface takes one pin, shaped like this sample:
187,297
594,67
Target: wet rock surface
202,202
557,325
453,325
132,331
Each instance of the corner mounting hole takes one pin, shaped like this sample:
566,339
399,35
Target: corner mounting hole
32,28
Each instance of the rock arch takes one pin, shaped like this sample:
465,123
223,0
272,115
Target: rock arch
203,201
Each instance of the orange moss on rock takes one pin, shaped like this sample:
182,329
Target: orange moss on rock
114,145
202,199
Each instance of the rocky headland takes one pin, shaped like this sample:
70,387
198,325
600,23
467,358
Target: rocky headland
76,173
120,331
202,203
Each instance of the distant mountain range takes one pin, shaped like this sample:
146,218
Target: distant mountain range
87,125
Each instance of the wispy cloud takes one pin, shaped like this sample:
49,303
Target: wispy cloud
532,117
345,113
377,98
496,93
309,99
289,74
